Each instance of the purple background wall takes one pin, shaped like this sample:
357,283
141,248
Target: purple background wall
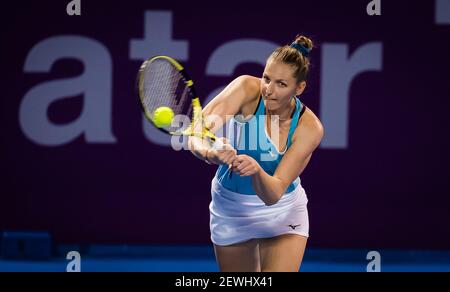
386,188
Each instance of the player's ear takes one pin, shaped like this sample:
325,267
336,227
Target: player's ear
300,88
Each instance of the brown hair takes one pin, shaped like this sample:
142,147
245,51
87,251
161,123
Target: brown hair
294,57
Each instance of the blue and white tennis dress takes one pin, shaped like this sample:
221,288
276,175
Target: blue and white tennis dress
237,214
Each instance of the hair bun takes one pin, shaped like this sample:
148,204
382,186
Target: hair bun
304,41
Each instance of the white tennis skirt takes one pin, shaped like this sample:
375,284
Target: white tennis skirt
236,218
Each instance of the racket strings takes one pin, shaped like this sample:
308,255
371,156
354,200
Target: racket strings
164,85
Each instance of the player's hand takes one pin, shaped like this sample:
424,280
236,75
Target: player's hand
245,165
224,155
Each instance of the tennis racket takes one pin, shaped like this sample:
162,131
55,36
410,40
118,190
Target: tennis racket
163,82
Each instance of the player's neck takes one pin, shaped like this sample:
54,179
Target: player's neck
284,113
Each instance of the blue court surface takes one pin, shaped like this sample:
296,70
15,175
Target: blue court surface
126,258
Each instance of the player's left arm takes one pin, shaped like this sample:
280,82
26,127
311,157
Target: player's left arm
305,140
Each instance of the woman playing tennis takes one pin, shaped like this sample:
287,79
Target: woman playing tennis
258,213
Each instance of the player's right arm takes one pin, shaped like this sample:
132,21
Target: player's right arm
228,103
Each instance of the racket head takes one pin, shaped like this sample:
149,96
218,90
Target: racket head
163,82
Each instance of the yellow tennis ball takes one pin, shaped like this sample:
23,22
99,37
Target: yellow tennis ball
163,116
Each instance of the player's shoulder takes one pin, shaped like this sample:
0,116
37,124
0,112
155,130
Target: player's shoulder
309,124
250,83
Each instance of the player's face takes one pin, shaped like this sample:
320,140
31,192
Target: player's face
278,85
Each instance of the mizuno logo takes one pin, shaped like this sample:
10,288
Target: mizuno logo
294,226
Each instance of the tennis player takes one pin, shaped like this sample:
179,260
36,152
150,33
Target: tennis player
258,213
